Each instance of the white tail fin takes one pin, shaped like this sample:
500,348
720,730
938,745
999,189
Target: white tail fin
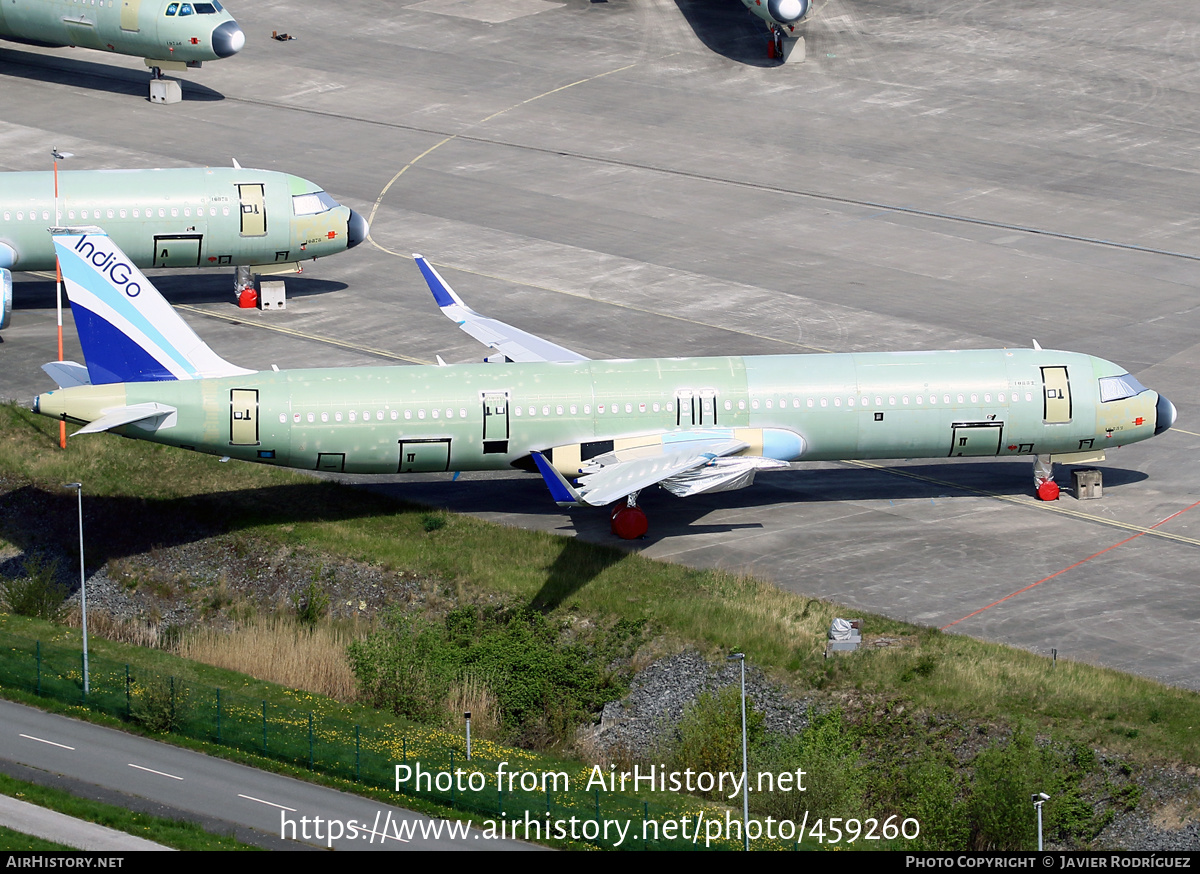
128,331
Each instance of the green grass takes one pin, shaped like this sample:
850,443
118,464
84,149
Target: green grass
138,495
178,834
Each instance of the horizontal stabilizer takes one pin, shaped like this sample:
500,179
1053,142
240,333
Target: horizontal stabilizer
515,344
67,373
136,413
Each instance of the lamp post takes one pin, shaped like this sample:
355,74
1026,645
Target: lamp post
1038,799
467,716
59,156
78,488
741,657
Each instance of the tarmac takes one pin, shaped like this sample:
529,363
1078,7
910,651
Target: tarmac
637,179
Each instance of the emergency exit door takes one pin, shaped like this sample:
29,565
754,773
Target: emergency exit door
243,417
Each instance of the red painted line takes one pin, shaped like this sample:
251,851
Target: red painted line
1072,567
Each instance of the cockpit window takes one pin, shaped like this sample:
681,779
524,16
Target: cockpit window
311,204
172,8
206,9
1116,388
185,9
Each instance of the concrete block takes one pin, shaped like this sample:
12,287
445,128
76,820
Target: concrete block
793,50
165,91
1088,484
272,296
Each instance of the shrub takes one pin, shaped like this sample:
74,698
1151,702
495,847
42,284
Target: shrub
160,703
39,593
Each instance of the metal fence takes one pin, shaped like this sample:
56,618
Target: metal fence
433,762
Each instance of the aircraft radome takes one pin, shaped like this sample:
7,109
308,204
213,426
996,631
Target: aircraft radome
258,221
690,425
170,35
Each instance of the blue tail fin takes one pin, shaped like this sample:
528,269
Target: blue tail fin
128,331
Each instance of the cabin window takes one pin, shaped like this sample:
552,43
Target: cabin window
920,400
628,408
1000,397
435,413
420,414
517,411
559,409
754,404
892,400
770,403
533,411
283,418
353,416
960,399
904,400
311,418
408,414
324,417
338,416
587,409
546,410
395,415
462,412
933,399
837,402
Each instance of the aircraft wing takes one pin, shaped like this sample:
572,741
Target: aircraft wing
513,343
602,483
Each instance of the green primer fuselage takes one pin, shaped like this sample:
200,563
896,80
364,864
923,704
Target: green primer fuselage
127,27
491,416
186,217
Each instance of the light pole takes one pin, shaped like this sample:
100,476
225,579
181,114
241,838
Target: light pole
1038,799
741,657
59,156
467,716
78,487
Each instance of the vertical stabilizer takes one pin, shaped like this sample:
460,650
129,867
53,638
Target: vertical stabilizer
128,331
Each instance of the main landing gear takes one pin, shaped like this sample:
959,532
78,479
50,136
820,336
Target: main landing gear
628,520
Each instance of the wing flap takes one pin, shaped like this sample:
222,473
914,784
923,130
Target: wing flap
603,484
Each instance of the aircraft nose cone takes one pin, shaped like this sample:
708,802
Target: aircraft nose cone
1164,413
227,39
356,230
787,11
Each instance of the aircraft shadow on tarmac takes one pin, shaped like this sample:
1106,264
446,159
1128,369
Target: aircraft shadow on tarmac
728,29
66,70
43,522
210,286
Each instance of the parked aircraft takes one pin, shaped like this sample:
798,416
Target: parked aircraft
690,425
261,221
169,34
